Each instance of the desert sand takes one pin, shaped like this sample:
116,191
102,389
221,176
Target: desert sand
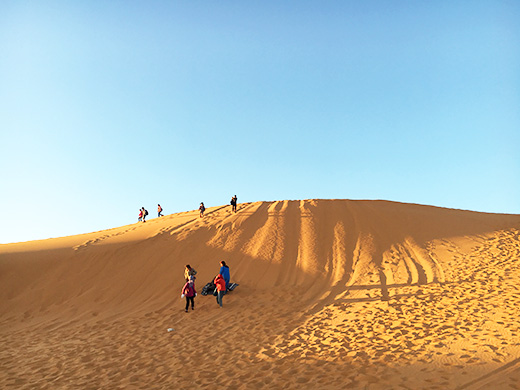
333,294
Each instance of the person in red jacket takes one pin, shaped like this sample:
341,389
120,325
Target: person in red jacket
221,288
190,293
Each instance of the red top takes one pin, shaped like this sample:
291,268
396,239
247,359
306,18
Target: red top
189,289
220,283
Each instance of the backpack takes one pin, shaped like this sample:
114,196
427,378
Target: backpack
145,212
208,289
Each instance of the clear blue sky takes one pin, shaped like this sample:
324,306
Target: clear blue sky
107,106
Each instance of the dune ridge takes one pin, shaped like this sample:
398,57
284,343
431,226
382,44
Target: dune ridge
333,293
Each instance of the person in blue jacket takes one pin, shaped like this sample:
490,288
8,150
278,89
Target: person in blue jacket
224,271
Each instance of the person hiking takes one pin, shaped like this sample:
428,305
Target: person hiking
159,211
202,209
220,284
140,215
224,271
189,292
145,213
189,272
233,202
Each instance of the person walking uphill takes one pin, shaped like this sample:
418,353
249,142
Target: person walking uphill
221,288
224,271
159,211
190,293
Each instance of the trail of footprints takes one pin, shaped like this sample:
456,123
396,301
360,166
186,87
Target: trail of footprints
438,328
210,216
441,323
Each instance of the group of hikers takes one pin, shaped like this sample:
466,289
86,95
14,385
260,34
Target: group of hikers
221,282
233,204
143,213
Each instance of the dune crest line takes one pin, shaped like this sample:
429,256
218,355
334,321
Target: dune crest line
365,294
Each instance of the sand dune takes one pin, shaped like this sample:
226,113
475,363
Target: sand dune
334,294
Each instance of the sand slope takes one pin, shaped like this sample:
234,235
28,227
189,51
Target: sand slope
333,294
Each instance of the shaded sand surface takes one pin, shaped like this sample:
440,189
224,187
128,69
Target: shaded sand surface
334,294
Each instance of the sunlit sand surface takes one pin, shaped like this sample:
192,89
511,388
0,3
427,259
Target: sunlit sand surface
333,294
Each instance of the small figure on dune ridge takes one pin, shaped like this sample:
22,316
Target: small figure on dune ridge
233,203
159,211
202,209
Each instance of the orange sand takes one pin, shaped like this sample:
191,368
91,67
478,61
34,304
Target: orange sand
334,294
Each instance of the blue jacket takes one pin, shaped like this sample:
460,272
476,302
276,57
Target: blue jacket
224,271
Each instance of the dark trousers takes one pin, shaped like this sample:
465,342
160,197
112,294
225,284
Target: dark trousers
188,300
220,295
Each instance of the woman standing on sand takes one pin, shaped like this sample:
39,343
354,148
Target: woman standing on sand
190,293
224,271
189,273
221,288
